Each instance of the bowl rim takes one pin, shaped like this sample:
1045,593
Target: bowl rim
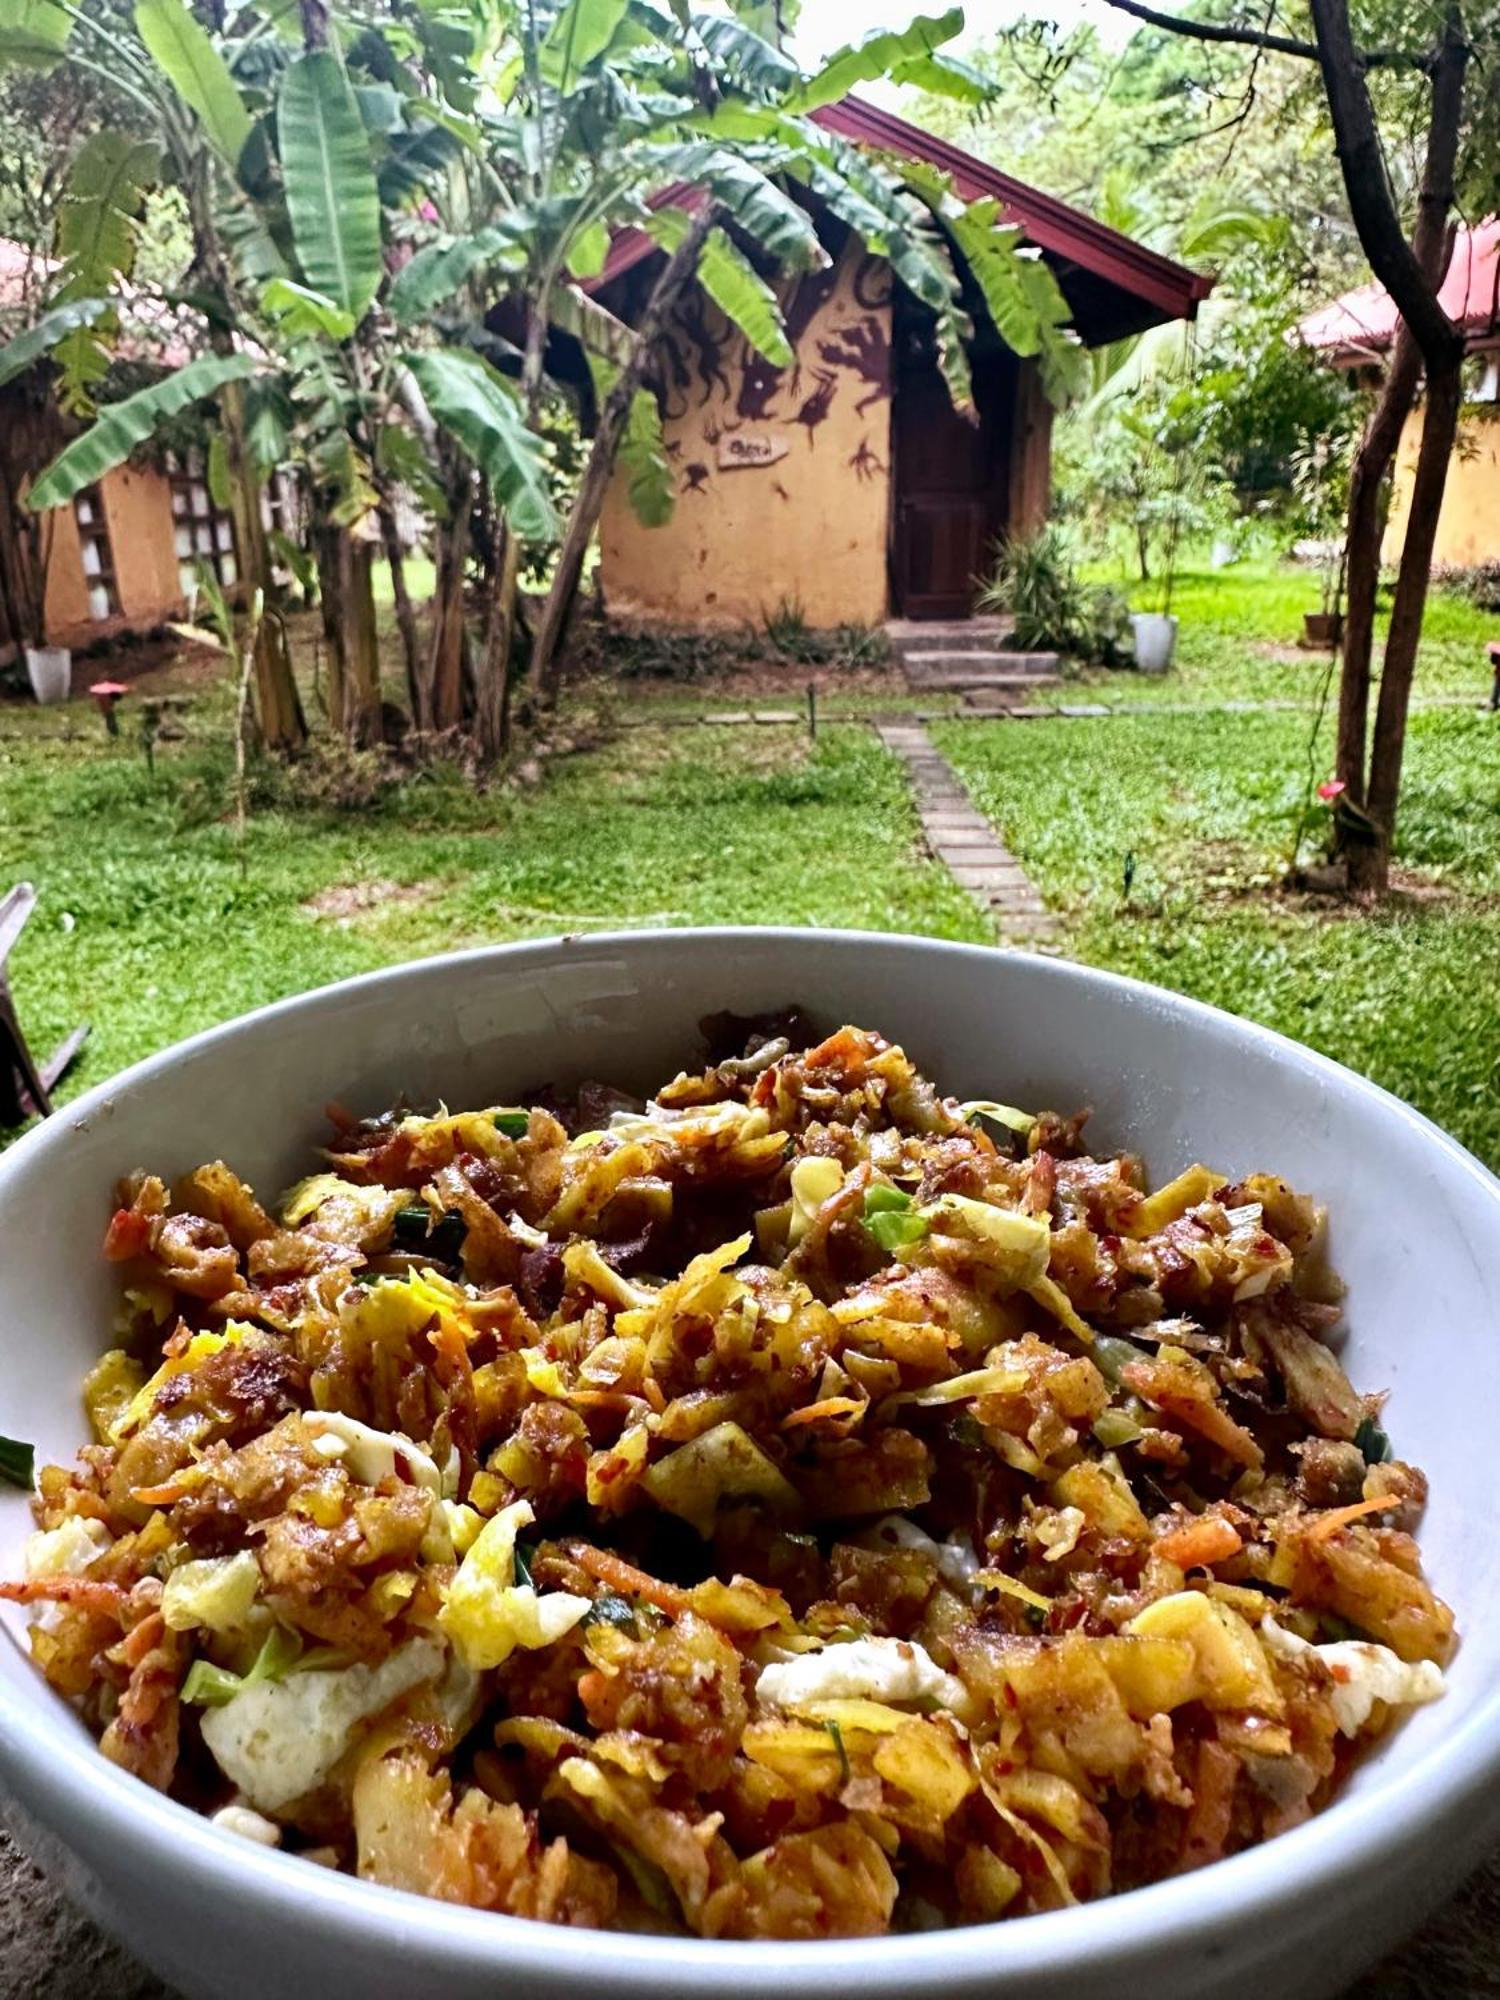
61,1778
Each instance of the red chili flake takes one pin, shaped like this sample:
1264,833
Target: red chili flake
128,1235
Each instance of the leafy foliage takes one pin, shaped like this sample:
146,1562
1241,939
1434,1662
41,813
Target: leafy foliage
331,197
122,426
197,72
471,401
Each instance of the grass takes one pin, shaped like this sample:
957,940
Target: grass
150,926
1204,807
1237,638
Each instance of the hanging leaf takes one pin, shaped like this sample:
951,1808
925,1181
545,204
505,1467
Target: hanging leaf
590,249
220,490
33,33
268,422
879,54
747,58
650,484
331,196
945,75
414,159
437,271
733,283
96,240
123,426
581,32
751,198
301,312
17,355
594,327
480,411
197,72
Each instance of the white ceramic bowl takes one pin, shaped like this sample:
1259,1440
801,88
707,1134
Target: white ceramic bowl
1416,1226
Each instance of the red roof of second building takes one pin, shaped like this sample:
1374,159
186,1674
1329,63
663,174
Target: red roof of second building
1363,322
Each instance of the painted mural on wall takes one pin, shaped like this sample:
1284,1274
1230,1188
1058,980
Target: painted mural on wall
782,473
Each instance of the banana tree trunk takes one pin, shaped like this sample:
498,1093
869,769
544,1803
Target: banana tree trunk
418,693
494,681
278,705
331,613
446,673
546,652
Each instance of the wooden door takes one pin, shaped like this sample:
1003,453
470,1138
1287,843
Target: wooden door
951,476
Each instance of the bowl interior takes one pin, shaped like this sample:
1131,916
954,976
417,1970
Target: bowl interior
1414,1220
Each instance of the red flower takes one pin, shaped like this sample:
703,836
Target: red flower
1330,789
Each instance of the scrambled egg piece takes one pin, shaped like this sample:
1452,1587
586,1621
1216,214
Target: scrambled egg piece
216,1593
488,1614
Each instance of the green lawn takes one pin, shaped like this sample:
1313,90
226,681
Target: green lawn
150,927
1238,632
1205,806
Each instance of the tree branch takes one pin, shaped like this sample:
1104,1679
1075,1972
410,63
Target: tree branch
1260,38
1411,272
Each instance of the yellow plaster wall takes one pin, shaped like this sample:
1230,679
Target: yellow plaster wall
1469,525
138,511
809,527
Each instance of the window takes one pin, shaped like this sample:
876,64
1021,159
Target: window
96,554
203,533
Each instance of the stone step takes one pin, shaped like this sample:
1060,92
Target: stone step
1018,670
916,635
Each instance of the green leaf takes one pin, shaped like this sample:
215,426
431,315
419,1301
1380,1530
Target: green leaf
197,72
878,54
331,196
594,327
123,426
650,486
514,1124
28,348
268,422
1373,1442
748,58
946,76
590,248
435,273
220,490
96,239
301,312
733,284
33,33
781,226
582,31
479,410
17,1463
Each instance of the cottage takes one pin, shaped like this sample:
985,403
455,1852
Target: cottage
125,554
846,486
1356,332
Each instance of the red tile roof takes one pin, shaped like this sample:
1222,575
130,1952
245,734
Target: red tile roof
1363,323
1169,288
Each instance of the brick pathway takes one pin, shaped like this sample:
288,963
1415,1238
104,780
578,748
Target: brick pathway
964,841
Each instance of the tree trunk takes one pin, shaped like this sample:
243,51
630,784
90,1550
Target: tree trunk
1427,341
494,681
546,651
1362,547
446,671
325,541
1369,865
418,693
278,705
